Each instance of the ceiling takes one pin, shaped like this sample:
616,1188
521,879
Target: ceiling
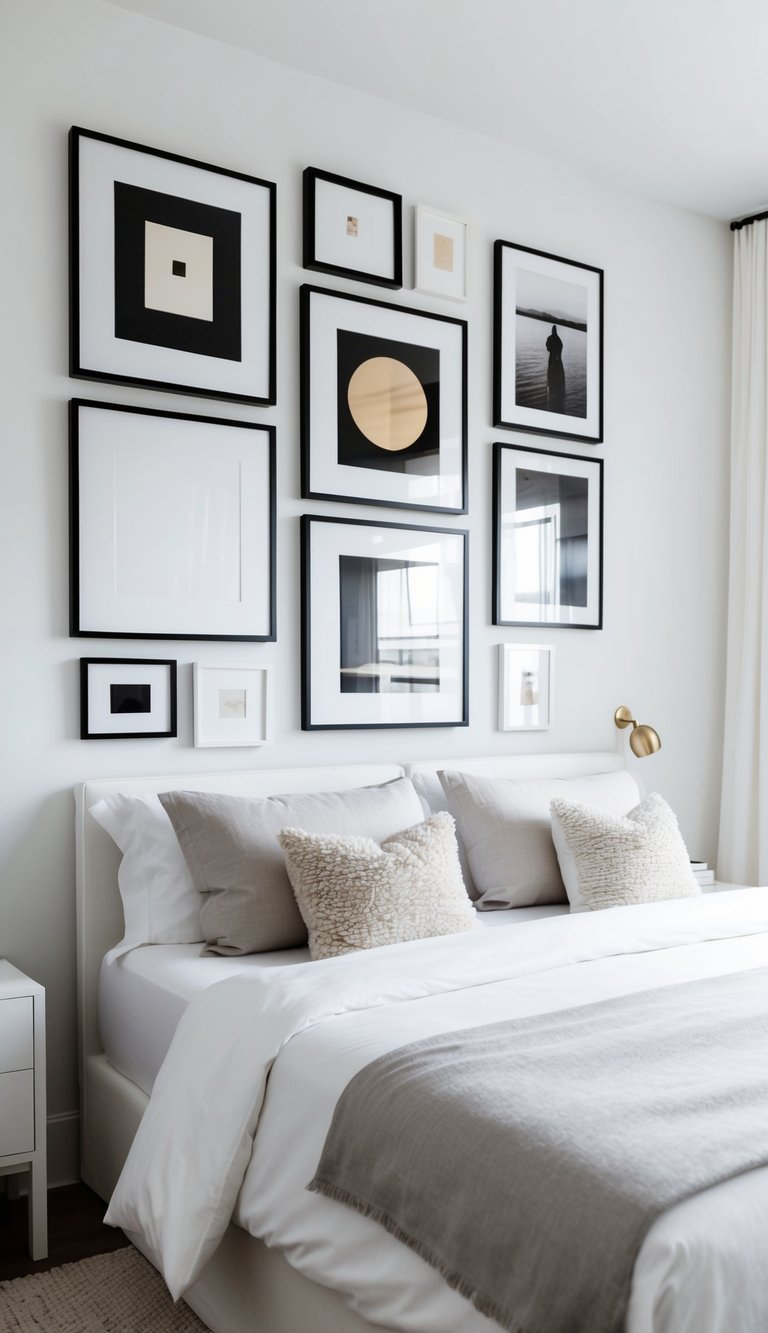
665,97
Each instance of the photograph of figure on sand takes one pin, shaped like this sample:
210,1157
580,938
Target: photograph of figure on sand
548,344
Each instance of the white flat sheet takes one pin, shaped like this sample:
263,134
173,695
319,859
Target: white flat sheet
703,1267
143,993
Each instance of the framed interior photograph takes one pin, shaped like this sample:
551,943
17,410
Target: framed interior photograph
547,344
172,525
547,538
172,271
127,698
230,705
441,252
384,625
525,686
352,230
383,403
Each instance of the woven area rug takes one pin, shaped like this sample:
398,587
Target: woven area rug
111,1293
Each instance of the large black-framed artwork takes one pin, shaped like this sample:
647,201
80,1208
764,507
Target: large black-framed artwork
172,271
547,344
383,403
127,698
384,620
172,525
352,230
547,538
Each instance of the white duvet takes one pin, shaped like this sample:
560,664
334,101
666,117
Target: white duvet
212,1146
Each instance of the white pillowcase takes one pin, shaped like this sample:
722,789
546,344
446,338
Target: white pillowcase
504,826
615,860
160,902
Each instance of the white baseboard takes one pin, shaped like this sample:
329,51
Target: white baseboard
63,1149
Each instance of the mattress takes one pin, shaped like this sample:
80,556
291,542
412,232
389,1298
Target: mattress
143,993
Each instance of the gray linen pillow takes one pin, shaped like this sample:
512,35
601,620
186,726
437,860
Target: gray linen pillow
505,827
230,845
357,894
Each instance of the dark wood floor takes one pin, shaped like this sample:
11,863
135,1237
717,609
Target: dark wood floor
75,1231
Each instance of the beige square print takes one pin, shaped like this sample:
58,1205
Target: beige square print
178,271
442,256
353,225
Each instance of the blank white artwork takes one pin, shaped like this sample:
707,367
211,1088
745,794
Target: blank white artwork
230,705
354,229
441,251
525,686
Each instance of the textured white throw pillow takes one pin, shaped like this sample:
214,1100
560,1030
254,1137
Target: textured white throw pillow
354,893
614,860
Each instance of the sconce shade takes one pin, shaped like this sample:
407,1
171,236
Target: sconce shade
644,739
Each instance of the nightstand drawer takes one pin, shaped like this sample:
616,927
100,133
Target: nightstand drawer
16,1025
17,1113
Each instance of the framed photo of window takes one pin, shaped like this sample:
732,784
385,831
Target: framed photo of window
172,271
352,230
384,625
547,344
383,403
547,538
127,698
526,673
172,525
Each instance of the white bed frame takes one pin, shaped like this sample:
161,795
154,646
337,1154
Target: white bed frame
246,1287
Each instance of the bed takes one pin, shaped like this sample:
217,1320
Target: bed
293,1281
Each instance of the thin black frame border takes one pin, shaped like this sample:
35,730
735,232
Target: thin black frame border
86,735
306,291
74,523
498,448
310,260
498,250
76,370
306,624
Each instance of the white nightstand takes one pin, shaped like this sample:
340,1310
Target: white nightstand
22,1094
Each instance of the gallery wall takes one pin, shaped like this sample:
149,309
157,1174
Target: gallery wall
667,276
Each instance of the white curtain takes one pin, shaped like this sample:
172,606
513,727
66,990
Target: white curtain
743,850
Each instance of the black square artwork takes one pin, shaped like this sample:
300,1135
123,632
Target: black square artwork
130,698
179,268
219,336
388,404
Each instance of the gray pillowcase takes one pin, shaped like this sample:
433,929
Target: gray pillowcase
230,845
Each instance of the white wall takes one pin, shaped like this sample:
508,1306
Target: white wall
666,330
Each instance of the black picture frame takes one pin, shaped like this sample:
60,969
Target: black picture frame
542,484
200,323
116,518
547,344
345,456
423,679
122,687
327,200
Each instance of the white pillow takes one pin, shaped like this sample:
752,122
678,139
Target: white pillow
355,893
614,860
160,902
505,829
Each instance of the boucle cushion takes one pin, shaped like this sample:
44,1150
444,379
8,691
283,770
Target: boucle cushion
356,894
504,826
613,860
230,845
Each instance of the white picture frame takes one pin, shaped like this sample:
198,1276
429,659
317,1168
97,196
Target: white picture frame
526,686
441,253
231,705
172,525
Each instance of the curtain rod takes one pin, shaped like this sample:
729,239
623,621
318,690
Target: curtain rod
747,222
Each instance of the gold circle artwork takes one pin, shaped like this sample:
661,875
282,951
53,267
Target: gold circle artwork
387,402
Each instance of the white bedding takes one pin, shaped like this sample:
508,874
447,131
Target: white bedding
703,1267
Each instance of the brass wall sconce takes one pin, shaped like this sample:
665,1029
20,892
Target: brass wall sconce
643,740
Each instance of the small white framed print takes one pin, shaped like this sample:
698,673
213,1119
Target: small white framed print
231,705
441,254
525,686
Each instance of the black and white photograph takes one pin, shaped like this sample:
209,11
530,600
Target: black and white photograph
127,698
172,525
352,230
383,403
547,538
547,344
384,624
172,271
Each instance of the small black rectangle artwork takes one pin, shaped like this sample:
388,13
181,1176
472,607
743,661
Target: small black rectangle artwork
388,404
130,698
